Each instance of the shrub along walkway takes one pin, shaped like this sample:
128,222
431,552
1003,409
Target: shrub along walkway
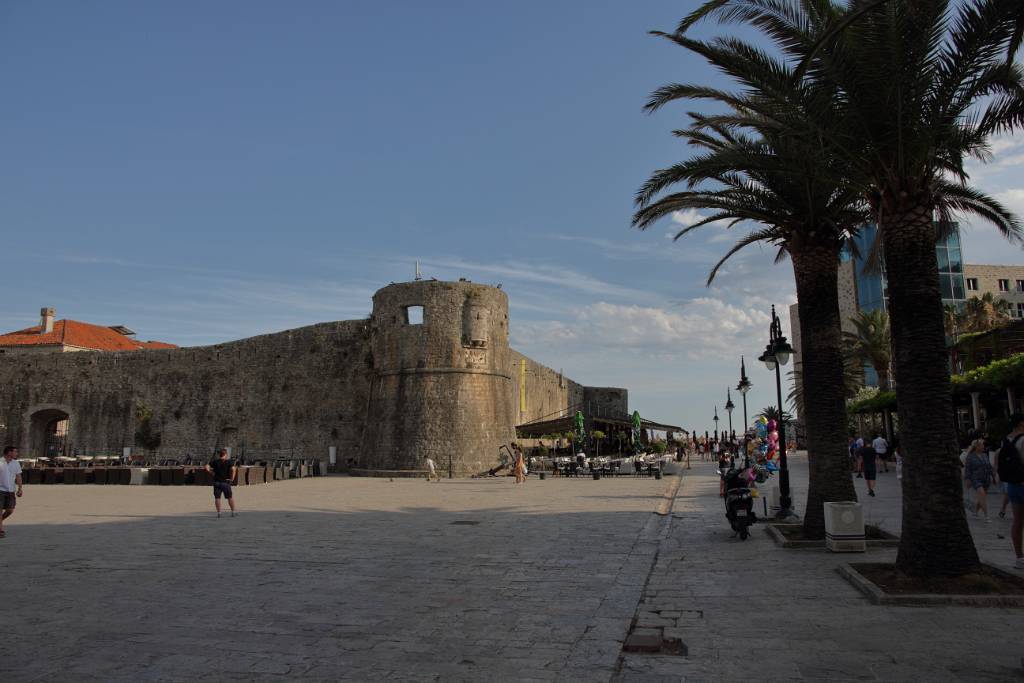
749,610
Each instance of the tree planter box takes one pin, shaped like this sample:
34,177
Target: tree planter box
878,596
876,537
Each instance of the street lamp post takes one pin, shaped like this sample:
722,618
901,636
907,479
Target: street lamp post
716,423
743,387
775,355
729,406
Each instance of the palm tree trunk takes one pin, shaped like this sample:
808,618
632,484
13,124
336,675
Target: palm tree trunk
883,377
935,539
821,363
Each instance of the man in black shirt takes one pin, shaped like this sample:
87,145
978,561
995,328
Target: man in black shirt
867,454
224,470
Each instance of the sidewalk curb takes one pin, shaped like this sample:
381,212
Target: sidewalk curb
668,498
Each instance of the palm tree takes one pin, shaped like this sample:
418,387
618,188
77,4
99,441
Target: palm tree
853,380
985,313
953,321
791,188
919,87
870,344
772,413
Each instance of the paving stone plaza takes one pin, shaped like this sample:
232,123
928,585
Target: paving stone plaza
370,579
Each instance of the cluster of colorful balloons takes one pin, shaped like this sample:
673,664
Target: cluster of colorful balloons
767,433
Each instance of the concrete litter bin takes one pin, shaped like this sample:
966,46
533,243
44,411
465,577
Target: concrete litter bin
844,527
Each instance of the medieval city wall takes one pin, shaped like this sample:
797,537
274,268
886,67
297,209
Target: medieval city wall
302,389
441,386
429,374
540,393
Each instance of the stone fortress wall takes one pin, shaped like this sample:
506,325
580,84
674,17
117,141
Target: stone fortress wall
302,389
387,391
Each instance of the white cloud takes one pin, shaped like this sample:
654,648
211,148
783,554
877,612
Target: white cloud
701,327
519,271
688,217
1013,199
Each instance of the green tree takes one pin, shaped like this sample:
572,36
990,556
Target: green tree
917,87
870,344
772,413
598,436
789,187
146,435
853,380
953,321
985,313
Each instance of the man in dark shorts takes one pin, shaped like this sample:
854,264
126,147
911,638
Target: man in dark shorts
867,455
224,470
10,484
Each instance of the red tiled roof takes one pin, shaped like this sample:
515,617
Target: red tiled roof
82,335
157,345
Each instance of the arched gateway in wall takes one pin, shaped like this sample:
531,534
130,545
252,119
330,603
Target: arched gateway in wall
46,431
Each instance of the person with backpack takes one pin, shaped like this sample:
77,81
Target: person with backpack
1010,468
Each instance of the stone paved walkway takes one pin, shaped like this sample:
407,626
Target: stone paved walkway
362,579
748,610
327,579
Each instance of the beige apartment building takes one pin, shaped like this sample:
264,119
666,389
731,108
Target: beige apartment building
847,308
1003,282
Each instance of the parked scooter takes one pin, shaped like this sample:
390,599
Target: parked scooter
740,491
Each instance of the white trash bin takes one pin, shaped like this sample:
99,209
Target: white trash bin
774,504
844,527
140,475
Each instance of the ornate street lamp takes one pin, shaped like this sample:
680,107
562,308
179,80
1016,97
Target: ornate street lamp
729,406
716,423
743,387
775,355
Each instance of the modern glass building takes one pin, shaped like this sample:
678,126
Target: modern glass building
872,292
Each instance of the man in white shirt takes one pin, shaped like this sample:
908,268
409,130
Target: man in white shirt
881,447
10,484
432,470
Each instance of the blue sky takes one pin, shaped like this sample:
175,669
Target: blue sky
206,171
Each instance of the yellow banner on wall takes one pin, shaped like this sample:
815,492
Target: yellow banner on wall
522,385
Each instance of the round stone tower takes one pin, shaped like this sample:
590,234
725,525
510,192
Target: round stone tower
441,385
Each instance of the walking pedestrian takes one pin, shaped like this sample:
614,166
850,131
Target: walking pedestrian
867,463
520,467
881,447
10,484
1011,471
978,475
432,470
224,470
963,481
858,457
898,456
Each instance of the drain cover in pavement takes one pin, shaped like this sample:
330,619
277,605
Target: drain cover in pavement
654,644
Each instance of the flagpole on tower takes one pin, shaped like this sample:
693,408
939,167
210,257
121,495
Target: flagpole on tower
418,276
